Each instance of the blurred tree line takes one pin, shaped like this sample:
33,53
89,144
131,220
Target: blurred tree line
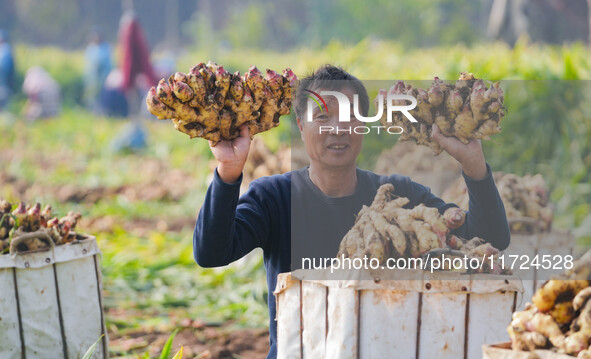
283,24
67,23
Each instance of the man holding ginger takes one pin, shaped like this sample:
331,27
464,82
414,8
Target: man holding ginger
316,205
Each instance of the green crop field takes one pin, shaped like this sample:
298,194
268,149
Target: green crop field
141,206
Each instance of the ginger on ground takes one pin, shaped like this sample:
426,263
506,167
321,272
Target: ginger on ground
524,198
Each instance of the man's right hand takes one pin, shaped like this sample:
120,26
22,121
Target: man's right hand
231,155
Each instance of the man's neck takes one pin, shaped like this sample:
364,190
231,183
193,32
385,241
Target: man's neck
332,182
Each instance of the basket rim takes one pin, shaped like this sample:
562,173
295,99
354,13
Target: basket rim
85,245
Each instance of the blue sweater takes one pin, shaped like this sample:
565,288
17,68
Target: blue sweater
275,208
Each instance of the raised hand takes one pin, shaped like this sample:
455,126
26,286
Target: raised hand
469,155
231,155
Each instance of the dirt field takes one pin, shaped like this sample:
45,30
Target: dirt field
197,341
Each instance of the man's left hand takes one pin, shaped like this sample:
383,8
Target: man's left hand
469,155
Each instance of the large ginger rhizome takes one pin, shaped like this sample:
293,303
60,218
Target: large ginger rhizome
466,110
211,103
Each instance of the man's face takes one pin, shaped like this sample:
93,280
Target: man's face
334,148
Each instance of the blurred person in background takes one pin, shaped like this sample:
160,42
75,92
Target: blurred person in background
6,69
165,64
136,68
98,65
43,94
113,101
137,75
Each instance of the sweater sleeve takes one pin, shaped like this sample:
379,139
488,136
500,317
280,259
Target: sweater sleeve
229,226
486,217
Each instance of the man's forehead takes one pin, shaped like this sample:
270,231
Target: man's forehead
332,103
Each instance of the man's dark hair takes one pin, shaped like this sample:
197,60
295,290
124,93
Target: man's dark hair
329,77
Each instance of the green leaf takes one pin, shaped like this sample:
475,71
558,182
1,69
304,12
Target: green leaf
92,348
179,354
7,215
168,346
570,70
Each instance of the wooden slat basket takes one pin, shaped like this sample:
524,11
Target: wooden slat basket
431,316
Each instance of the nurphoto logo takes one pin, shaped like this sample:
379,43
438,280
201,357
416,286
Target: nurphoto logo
394,103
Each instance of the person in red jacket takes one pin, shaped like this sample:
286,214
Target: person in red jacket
136,67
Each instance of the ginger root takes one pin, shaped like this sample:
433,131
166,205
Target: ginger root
581,298
545,298
27,220
524,198
522,338
577,342
386,229
545,325
561,312
467,110
211,103
454,217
